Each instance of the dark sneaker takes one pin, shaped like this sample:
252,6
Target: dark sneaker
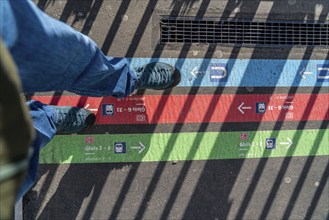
72,119
157,75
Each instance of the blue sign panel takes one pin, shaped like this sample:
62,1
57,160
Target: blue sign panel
246,72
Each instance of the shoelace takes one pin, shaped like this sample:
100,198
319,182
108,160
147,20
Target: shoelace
69,118
155,75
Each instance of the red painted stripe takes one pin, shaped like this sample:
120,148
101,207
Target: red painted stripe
201,108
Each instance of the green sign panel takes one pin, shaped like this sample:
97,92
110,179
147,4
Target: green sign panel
108,148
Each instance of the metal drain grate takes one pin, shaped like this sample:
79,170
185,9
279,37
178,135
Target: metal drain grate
269,33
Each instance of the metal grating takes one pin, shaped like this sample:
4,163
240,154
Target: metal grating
245,33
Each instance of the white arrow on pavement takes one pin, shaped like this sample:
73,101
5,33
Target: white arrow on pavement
141,147
289,143
305,73
91,109
241,108
195,72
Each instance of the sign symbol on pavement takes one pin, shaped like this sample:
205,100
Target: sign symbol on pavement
141,147
323,77
89,139
270,143
120,147
288,142
91,109
195,72
107,109
305,73
323,72
260,107
218,72
241,108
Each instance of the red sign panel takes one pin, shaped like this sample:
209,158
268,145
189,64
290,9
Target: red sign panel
154,109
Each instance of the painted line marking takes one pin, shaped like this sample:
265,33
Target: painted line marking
244,72
305,73
194,72
141,147
197,108
211,145
91,109
323,72
323,77
289,143
323,68
241,108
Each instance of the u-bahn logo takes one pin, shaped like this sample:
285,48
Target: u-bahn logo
323,72
218,72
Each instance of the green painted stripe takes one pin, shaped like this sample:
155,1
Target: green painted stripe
185,146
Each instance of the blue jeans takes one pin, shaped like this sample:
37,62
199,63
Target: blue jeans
51,56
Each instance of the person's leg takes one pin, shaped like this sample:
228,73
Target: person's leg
47,121
50,55
45,130
16,134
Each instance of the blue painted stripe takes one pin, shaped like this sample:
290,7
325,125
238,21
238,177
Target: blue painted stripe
245,72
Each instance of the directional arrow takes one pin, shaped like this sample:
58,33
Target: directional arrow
241,107
195,72
91,109
305,73
141,147
289,143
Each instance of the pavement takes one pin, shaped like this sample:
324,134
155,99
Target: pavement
243,136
